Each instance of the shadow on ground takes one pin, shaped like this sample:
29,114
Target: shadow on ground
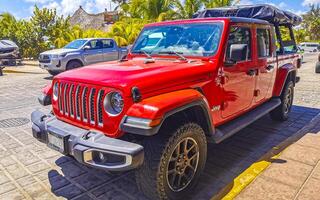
225,162
48,78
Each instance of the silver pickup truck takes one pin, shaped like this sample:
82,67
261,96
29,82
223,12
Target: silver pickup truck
79,53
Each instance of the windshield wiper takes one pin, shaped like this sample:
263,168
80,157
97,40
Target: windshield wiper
144,52
175,53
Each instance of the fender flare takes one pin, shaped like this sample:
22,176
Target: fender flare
46,95
188,98
282,77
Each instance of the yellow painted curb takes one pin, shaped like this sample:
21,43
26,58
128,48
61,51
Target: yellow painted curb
238,184
244,179
9,71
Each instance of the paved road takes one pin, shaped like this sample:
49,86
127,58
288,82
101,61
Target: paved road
29,170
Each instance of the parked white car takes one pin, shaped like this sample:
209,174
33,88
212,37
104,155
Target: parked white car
310,46
79,53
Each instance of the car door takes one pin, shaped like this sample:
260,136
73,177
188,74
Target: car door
110,51
93,52
266,63
239,84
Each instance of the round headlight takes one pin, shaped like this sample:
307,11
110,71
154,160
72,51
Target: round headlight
113,103
55,91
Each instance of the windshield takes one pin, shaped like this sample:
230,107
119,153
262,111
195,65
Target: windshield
186,39
75,44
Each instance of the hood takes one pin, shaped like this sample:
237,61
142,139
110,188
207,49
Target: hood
163,74
58,51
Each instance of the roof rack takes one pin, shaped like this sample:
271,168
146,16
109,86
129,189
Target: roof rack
261,11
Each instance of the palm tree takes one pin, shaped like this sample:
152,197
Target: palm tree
155,10
126,30
187,9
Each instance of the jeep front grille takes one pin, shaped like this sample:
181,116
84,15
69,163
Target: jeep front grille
82,103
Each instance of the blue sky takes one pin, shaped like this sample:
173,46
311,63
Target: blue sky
23,8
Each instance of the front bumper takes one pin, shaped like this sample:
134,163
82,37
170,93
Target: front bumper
87,147
53,64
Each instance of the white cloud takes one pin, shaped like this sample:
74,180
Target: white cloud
282,5
68,7
308,2
37,1
103,4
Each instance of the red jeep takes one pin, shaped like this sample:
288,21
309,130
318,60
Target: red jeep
185,83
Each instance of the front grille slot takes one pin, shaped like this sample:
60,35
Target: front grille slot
100,107
65,103
82,103
77,102
71,100
91,105
60,97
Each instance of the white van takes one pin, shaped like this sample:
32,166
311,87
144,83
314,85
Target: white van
310,46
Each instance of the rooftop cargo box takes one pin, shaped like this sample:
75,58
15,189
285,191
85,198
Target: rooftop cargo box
262,11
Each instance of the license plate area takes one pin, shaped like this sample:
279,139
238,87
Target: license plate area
58,142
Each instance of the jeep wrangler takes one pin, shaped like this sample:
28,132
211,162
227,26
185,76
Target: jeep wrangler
184,84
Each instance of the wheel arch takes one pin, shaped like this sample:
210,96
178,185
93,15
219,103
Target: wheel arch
74,60
285,74
196,112
191,107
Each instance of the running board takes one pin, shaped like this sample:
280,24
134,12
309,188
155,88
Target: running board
226,130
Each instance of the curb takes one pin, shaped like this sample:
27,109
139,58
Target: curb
231,190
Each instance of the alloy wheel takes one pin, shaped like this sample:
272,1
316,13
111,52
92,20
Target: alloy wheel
183,164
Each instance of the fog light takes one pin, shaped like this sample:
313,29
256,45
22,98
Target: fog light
102,157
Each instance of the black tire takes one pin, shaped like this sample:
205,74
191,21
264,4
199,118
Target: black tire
53,73
157,170
318,67
73,64
281,113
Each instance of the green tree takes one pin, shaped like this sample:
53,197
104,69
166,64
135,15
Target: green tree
187,9
300,35
219,3
311,22
155,10
126,30
48,27
8,26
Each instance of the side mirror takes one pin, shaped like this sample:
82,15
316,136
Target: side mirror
87,47
238,52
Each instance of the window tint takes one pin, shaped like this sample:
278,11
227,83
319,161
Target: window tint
239,35
95,44
107,44
263,42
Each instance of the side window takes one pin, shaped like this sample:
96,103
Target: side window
289,45
107,44
239,35
263,43
95,44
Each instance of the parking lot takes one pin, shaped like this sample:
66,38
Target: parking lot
29,170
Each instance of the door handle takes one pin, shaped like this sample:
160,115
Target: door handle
270,67
251,72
